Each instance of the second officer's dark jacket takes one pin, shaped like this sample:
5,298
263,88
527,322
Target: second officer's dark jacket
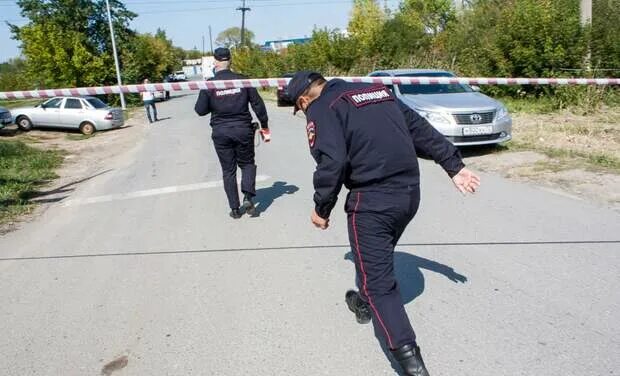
230,106
361,136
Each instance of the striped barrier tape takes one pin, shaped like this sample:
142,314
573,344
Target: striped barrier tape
279,82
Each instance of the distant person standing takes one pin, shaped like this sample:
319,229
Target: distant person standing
148,97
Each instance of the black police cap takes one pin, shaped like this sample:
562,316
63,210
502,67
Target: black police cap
299,83
221,54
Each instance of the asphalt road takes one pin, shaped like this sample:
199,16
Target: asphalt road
143,262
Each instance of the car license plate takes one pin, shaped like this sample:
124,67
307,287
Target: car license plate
477,131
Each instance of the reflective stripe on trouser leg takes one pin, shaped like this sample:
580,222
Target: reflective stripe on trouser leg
371,234
224,146
244,152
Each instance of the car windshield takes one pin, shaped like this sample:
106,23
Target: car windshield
432,88
52,103
96,103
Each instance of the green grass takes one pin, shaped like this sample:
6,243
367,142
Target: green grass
79,136
567,158
23,169
21,103
543,105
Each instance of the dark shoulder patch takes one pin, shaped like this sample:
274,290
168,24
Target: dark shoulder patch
369,95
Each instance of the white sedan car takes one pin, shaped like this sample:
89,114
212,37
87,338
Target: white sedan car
88,114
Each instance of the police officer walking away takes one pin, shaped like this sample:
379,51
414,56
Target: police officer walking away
233,132
361,136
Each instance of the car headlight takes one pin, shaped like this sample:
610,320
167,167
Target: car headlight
438,118
502,112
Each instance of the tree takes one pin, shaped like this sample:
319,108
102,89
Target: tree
605,36
435,15
192,54
231,37
67,42
58,57
12,75
366,21
518,38
149,56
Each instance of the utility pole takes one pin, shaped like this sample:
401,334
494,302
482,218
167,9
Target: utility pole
243,9
210,40
586,19
586,12
203,45
118,69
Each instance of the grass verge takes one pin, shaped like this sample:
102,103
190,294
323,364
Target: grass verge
590,142
22,170
20,103
79,136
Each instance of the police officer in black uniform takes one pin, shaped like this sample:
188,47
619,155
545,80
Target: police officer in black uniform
363,137
233,132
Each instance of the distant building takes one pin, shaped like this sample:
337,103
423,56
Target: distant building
281,44
192,67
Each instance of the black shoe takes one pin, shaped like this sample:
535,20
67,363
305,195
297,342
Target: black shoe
358,306
410,359
235,213
249,206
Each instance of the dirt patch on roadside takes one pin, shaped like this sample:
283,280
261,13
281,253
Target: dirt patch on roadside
537,168
570,154
84,157
595,137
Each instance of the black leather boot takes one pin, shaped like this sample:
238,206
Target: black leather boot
235,213
410,360
358,306
248,205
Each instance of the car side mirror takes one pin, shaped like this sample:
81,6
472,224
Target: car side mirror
475,88
43,106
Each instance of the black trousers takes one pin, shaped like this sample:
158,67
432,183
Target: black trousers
234,145
376,222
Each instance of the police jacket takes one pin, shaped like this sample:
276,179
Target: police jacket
361,136
230,106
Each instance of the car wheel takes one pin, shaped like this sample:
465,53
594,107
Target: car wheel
24,123
87,128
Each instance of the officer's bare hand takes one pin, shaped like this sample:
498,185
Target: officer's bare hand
466,181
319,222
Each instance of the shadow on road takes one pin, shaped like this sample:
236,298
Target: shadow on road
481,150
408,271
60,193
266,196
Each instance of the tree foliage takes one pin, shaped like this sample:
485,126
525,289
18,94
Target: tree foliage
66,42
150,56
231,37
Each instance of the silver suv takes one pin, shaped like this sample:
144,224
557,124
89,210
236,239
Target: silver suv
459,112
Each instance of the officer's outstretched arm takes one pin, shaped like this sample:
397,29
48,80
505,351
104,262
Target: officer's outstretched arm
328,147
202,104
429,142
259,107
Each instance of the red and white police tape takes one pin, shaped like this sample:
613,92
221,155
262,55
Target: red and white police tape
279,82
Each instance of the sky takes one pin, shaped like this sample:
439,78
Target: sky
186,21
